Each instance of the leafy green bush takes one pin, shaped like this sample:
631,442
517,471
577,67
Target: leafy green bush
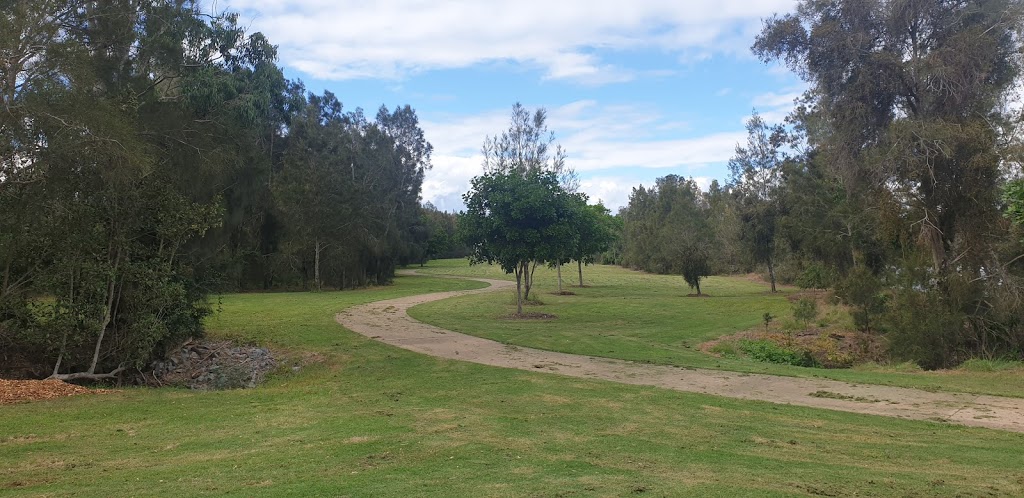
770,352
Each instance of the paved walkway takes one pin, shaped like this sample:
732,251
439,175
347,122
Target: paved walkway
388,322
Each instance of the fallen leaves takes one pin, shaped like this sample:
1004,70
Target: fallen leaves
18,391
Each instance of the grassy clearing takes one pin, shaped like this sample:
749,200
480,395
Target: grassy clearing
372,420
648,318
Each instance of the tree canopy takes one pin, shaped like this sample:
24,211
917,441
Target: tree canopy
150,154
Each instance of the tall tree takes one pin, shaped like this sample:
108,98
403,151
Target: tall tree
904,95
906,118
756,175
528,147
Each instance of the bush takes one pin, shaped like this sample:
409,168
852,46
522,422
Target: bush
770,352
805,310
924,325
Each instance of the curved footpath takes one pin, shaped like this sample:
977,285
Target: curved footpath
388,322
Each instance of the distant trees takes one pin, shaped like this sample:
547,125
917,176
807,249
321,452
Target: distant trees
667,230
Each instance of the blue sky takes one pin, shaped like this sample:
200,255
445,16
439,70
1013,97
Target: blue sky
634,90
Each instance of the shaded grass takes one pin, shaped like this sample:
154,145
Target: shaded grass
372,420
647,318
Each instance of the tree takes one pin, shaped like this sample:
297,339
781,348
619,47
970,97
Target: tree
527,147
907,124
686,238
509,220
313,190
667,230
596,231
756,171
904,96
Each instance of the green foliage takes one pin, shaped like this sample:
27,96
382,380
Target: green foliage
862,290
176,159
816,276
515,220
666,230
770,352
805,310
905,147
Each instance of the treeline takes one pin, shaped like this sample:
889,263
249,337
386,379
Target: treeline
151,154
895,181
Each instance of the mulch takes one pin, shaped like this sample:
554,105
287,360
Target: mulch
19,391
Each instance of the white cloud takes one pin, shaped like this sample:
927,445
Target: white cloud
774,107
600,140
345,39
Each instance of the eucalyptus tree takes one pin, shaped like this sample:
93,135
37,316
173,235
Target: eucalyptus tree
905,95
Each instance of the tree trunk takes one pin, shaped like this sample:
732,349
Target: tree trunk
579,265
771,274
559,266
519,290
316,265
527,280
698,287
108,315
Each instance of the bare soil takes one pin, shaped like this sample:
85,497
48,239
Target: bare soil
388,322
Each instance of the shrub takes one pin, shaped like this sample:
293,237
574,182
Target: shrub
805,310
770,352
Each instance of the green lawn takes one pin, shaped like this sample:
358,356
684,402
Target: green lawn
649,318
373,420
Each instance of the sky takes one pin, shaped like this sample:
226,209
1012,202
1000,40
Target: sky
634,90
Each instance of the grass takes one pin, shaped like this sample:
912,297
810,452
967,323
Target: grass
373,420
648,318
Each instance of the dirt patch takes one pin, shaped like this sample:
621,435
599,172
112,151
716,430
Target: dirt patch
531,316
20,391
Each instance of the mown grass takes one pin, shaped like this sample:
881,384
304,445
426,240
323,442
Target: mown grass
649,318
373,420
